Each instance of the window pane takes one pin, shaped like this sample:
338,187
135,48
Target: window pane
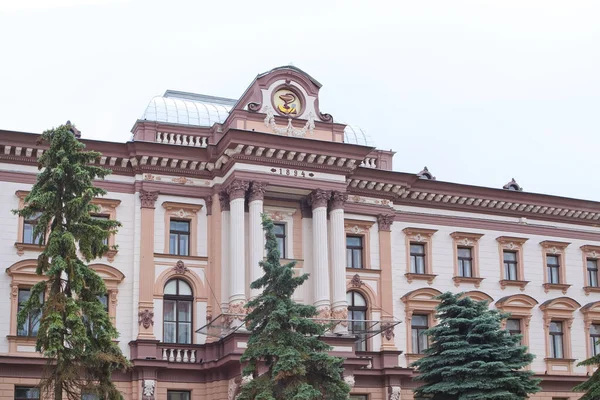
26,393
553,275
183,244
28,233
348,258
595,329
184,309
280,247
419,320
466,264
556,327
353,241
464,252
89,396
510,256
185,333
171,287
415,340
420,265
359,300
417,249
557,347
593,278
170,310
513,325
172,243
169,332
423,342
178,395
184,288
279,229
357,258
552,260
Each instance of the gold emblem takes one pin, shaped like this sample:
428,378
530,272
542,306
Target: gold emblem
287,102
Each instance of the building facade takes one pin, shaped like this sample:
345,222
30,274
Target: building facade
189,189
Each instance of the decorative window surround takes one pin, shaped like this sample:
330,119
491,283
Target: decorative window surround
182,211
420,236
360,228
421,301
559,309
469,240
476,295
520,306
108,207
591,315
284,215
512,244
19,245
112,278
593,253
553,248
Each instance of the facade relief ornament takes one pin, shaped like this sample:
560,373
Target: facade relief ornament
318,198
341,315
148,199
180,267
356,281
387,328
338,199
385,222
257,191
182,180
146,318
324,313
289,129
237,189
350,381
148,386
224,200
254,107
209,202
418,238
395,393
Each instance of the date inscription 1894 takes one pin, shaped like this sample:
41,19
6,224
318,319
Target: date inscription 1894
292,172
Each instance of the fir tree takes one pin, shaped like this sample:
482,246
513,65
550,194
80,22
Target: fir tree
591,387
286,340
75,332
471,358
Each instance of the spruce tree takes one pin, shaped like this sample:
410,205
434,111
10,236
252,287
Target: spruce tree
471,358
591,387
75,332
285,340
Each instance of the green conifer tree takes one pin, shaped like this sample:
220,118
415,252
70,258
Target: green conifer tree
286,340
591,387
471,358
75,332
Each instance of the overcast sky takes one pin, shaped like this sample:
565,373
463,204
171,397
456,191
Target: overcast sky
479,91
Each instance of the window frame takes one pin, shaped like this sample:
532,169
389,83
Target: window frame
29,316
593,261
28,388
186,212
416,256
594,346
508,263
189,392
283,237
515,245
179,298
553,269
556,249
352,249
352,308
360,228
179,234
553,340
419,236
560,309
420,329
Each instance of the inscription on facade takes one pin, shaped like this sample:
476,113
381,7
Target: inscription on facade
292,172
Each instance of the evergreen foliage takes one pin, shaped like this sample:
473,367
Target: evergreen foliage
285,340
591,387
75,332
471,358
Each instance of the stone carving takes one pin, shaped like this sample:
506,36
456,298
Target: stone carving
513,185
340,315
354,229
148,198
323,313
356,281
387,328
209,202
146,318
289,129
466,242
182,180
338,199
395,393
237,189
350,381
236,312
232,389
180,267
246,379
148,386
385,222
425,174
318,198
418,238
257,191
224,200
254,107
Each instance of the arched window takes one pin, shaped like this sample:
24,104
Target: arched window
177,315
357,316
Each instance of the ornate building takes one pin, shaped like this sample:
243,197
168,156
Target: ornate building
189,189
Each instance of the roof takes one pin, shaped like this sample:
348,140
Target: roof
175,107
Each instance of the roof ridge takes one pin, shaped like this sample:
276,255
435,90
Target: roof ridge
199,97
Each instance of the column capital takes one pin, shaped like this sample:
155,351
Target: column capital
148,198
224,200
318,198
237,189
209,202
385,222
338,199
257,191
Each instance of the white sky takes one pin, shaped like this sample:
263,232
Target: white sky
480,91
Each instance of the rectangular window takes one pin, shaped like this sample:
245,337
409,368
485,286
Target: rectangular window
510,265
90,396
553,265
359,397
594,339
417,258
465,262
179,238
592,270
178,395
25,393
28,228
513,326
419,324
279,230
556,339
354,252
32,323
103,217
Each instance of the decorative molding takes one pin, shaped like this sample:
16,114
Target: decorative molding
385,221
318,198
237,189
148,198
410,277
504,283
254,107
148,386
463,279
257,191
146,318
338,199
180,267
356,281
556,286
181,210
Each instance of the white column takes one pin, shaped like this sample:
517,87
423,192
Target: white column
318,200
237,255
225,292
339,306
255,231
